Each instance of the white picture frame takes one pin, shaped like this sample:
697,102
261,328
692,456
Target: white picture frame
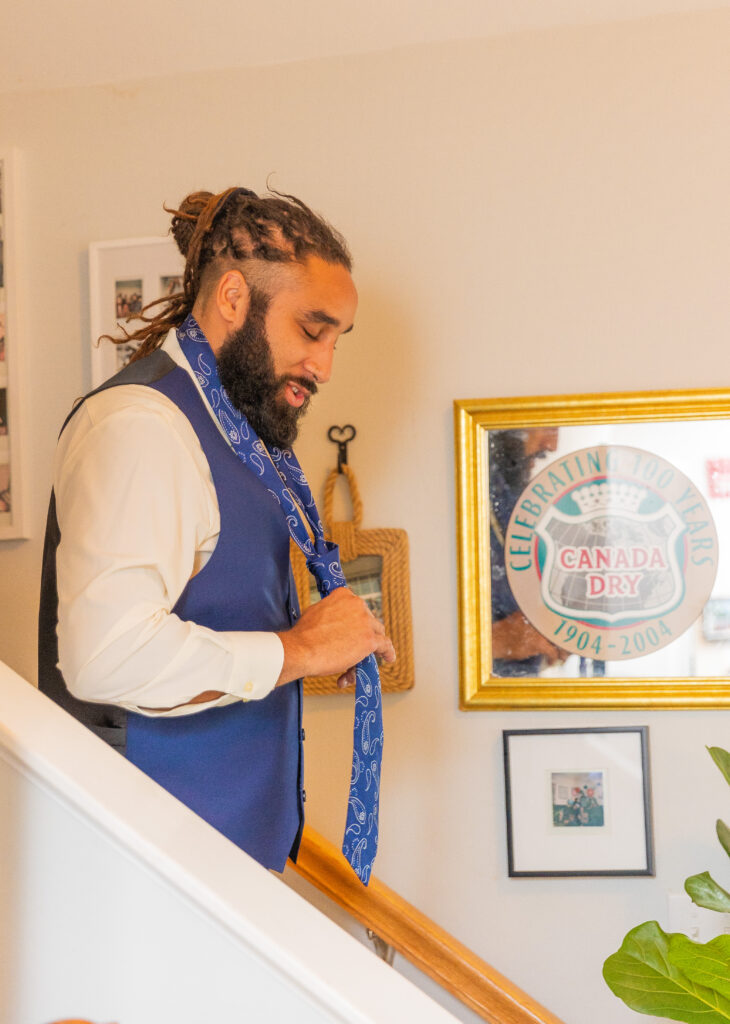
13,496
128,262
613,762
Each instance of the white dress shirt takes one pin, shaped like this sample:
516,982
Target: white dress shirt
138,516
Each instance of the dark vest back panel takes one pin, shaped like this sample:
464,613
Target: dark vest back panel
239,767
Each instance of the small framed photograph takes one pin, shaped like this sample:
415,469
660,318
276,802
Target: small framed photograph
716,620
170,284
124,276
578,802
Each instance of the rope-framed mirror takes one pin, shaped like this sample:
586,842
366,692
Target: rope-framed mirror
375,564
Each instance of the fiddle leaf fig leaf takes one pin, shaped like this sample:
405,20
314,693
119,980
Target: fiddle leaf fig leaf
723,834
707,964
705,892
642,974
722,760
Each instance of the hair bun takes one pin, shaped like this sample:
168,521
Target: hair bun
182,232
185,218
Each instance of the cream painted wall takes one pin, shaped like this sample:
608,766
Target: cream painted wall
533,214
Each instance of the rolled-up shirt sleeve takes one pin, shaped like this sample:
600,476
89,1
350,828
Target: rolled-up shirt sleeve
138,518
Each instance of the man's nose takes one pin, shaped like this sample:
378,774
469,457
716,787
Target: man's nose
319,364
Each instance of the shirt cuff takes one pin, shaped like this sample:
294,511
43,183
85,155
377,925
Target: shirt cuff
258,659
256,663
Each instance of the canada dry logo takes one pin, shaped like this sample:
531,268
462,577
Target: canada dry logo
611,552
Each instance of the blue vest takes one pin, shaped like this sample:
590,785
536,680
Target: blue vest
239,767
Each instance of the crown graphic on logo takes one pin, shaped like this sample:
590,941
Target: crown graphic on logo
609,496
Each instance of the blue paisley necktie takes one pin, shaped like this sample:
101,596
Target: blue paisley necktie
280,471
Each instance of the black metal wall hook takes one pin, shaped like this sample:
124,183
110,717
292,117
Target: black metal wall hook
341,436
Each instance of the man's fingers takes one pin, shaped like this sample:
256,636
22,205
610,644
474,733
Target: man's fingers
347,678
386,651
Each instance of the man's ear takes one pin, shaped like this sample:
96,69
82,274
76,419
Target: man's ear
232,298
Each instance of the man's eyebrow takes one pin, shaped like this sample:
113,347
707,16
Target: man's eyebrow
319,316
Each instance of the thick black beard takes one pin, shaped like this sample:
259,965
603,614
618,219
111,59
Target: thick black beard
246,370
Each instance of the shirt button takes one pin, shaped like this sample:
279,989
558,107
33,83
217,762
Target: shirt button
248,687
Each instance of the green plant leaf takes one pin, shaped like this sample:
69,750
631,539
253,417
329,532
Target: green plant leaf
723,834
705,892
643,976
722,760
707,964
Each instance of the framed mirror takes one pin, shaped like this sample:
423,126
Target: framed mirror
376,567
594,550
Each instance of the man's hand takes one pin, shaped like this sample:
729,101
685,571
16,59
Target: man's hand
514,639
331,637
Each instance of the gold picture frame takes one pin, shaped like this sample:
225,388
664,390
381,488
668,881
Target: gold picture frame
357,547
695,421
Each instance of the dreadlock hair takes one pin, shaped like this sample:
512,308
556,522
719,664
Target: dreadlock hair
216,232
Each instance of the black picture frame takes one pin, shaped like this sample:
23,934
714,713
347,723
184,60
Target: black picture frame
578,802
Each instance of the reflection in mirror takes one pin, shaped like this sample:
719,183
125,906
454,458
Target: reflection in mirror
604,550
364,576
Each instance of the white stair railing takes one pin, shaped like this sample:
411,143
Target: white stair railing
117,903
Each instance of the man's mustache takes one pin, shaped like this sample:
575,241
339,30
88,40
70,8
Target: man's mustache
305,383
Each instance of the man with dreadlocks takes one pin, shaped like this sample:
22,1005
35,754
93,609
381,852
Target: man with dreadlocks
169,623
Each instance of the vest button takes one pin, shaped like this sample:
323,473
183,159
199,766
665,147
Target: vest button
304,796
304,735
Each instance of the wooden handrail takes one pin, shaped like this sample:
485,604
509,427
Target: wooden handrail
417,938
